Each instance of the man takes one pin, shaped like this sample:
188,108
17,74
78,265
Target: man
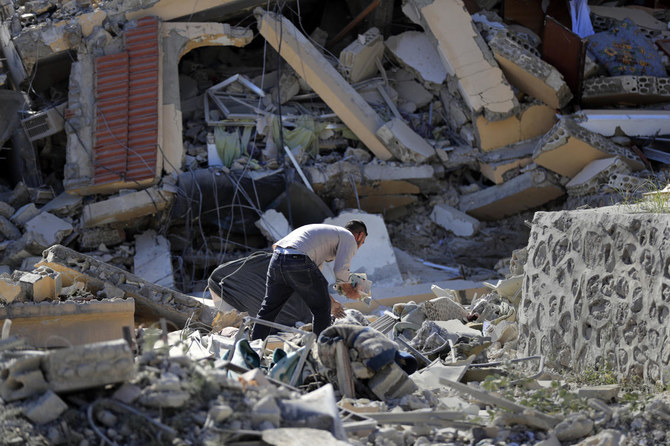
295,267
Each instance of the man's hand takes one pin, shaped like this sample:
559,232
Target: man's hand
337,310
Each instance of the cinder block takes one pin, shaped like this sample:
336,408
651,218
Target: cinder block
93,238
125,207
529,73
567,148
637,90
596,292
454,220
89,365
45,409
41,284
358,60
521,193
404,143
598,172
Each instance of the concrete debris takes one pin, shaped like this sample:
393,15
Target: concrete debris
568,148
148,159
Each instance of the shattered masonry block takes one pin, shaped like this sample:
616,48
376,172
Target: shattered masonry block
10,291
404,143
153,260
24,214
391,382
41,284
89,365
533,120
455,221
92,238
637,90
333,89
466,55
529,73
624,183
21,377
567,148
589,179
597,292
7,210
502,164
380,172
526,191
46,408
52,228
358,61
415,50
8,230
633,122
59,324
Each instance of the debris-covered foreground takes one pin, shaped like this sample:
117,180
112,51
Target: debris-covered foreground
150,147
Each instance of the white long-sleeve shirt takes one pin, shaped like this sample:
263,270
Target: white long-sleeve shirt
324,243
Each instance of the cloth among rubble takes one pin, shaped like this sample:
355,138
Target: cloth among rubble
625,50
241,283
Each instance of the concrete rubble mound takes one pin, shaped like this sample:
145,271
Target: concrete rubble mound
510,161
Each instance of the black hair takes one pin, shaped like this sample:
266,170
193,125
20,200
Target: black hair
356,226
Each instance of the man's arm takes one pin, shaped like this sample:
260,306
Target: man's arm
336,308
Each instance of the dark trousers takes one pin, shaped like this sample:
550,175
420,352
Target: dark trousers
289,273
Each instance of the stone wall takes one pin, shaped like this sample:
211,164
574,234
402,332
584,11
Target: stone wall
597,291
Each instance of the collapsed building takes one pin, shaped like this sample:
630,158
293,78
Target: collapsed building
509,161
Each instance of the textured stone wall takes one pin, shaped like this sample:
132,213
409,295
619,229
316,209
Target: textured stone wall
597,291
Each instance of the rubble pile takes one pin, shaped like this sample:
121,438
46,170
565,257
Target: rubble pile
153,152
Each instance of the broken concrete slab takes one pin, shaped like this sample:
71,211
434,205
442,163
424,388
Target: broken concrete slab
466,56
6,210
126,207
8,230
273,225
529,73
49,227
631,122
93,238
89,365
502,164
416,51
598,172
153,260
521,193
404,143
24,214
59,324
532,120
567,148
613,306
152,301
10,290
454,221
375,257
638,16
358,61
313,67
605,392
625,90
63,205
174,9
